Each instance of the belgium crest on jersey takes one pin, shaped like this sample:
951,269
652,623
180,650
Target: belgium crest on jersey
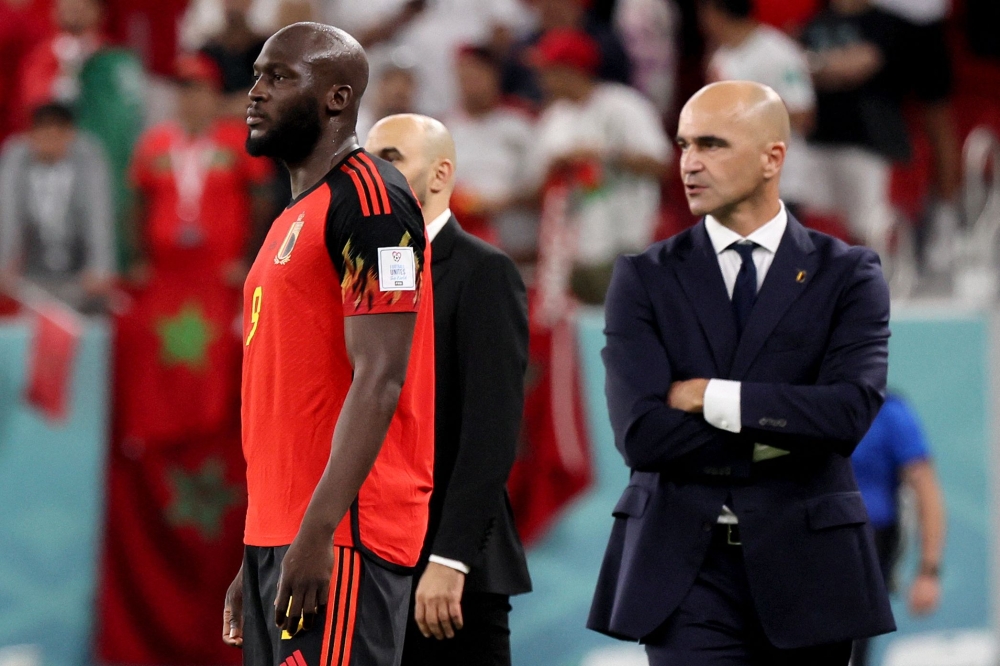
285,252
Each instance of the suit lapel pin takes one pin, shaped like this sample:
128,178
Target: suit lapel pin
800,277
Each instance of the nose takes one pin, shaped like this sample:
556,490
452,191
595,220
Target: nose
257,93
690,162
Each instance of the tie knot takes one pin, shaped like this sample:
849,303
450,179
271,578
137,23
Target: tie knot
744,249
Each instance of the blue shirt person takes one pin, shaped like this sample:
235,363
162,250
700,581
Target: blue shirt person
895,451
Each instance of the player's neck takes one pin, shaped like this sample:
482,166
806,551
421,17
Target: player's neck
328,152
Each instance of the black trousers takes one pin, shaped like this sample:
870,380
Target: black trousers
483,641
887,545
717,624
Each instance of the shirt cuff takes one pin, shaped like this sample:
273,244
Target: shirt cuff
722,405
451,564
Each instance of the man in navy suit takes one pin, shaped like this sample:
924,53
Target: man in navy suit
746,357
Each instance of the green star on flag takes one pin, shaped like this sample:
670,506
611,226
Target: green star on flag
184,337
201,498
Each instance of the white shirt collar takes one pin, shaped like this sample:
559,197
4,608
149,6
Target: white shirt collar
435,226
767,236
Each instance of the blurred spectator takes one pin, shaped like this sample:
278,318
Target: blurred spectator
492,142
613,62
20,31
747,50
104,86
234,50
195,184
895,450
649,29
606,138
425,35
56,218
859,123
176,474
394,91
926,71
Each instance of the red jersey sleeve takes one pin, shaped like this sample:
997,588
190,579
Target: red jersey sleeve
141,168
375,237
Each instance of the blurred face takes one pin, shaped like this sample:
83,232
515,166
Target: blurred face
399,143
711,20
197,103
285,115
78,16
395,93
558,81
722,159
50,142
478,84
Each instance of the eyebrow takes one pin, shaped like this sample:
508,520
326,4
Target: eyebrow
705,140
388,152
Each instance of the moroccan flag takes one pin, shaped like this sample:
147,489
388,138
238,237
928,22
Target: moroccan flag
53,350
554,463
173,545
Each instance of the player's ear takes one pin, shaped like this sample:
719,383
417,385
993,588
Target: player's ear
442,174
339,98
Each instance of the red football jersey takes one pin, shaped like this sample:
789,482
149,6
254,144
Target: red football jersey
352,245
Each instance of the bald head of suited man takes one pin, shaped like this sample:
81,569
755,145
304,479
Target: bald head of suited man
310,80
423,151
733,136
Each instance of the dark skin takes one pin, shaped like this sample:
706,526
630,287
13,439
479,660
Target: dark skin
310,62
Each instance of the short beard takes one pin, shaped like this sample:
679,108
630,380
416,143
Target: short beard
293,139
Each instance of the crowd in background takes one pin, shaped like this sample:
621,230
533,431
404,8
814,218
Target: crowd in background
536,92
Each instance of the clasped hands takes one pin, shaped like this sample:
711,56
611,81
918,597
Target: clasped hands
688,395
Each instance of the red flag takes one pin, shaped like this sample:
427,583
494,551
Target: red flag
554,464
53,350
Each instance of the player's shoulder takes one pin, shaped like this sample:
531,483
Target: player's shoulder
834,251
372,185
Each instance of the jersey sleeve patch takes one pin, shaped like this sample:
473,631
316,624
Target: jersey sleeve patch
397,269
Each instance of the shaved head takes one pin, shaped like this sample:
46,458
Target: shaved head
424,152
733,136
310,80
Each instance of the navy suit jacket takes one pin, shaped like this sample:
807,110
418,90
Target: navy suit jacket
812,362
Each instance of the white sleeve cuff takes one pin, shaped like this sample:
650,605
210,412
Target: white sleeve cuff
722,405
451,564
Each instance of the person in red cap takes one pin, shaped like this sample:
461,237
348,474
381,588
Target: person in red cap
177,384
606,141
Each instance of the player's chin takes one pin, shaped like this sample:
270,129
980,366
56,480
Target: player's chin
699,204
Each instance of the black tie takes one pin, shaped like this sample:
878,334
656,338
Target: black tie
745,289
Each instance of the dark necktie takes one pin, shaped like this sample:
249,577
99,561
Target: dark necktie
745,289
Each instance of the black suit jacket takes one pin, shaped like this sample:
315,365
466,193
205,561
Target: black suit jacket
481,348
812,364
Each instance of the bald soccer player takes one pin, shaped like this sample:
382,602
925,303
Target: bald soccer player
338,376
746,358
472,560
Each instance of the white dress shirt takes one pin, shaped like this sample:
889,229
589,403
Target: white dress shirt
722,396
433,229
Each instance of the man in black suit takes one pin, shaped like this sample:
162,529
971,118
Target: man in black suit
746,357
472,559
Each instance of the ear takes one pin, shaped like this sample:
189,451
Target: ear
773,159
339,98
441,176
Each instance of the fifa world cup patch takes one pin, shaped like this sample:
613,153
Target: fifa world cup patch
397,269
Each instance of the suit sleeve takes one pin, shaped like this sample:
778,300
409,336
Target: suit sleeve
833,414
492,340
648,434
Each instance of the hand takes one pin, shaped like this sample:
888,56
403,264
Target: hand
925,594
97,286
688,396
232,616
438,609
304,583
139,275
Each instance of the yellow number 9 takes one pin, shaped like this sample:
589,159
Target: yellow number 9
258,293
